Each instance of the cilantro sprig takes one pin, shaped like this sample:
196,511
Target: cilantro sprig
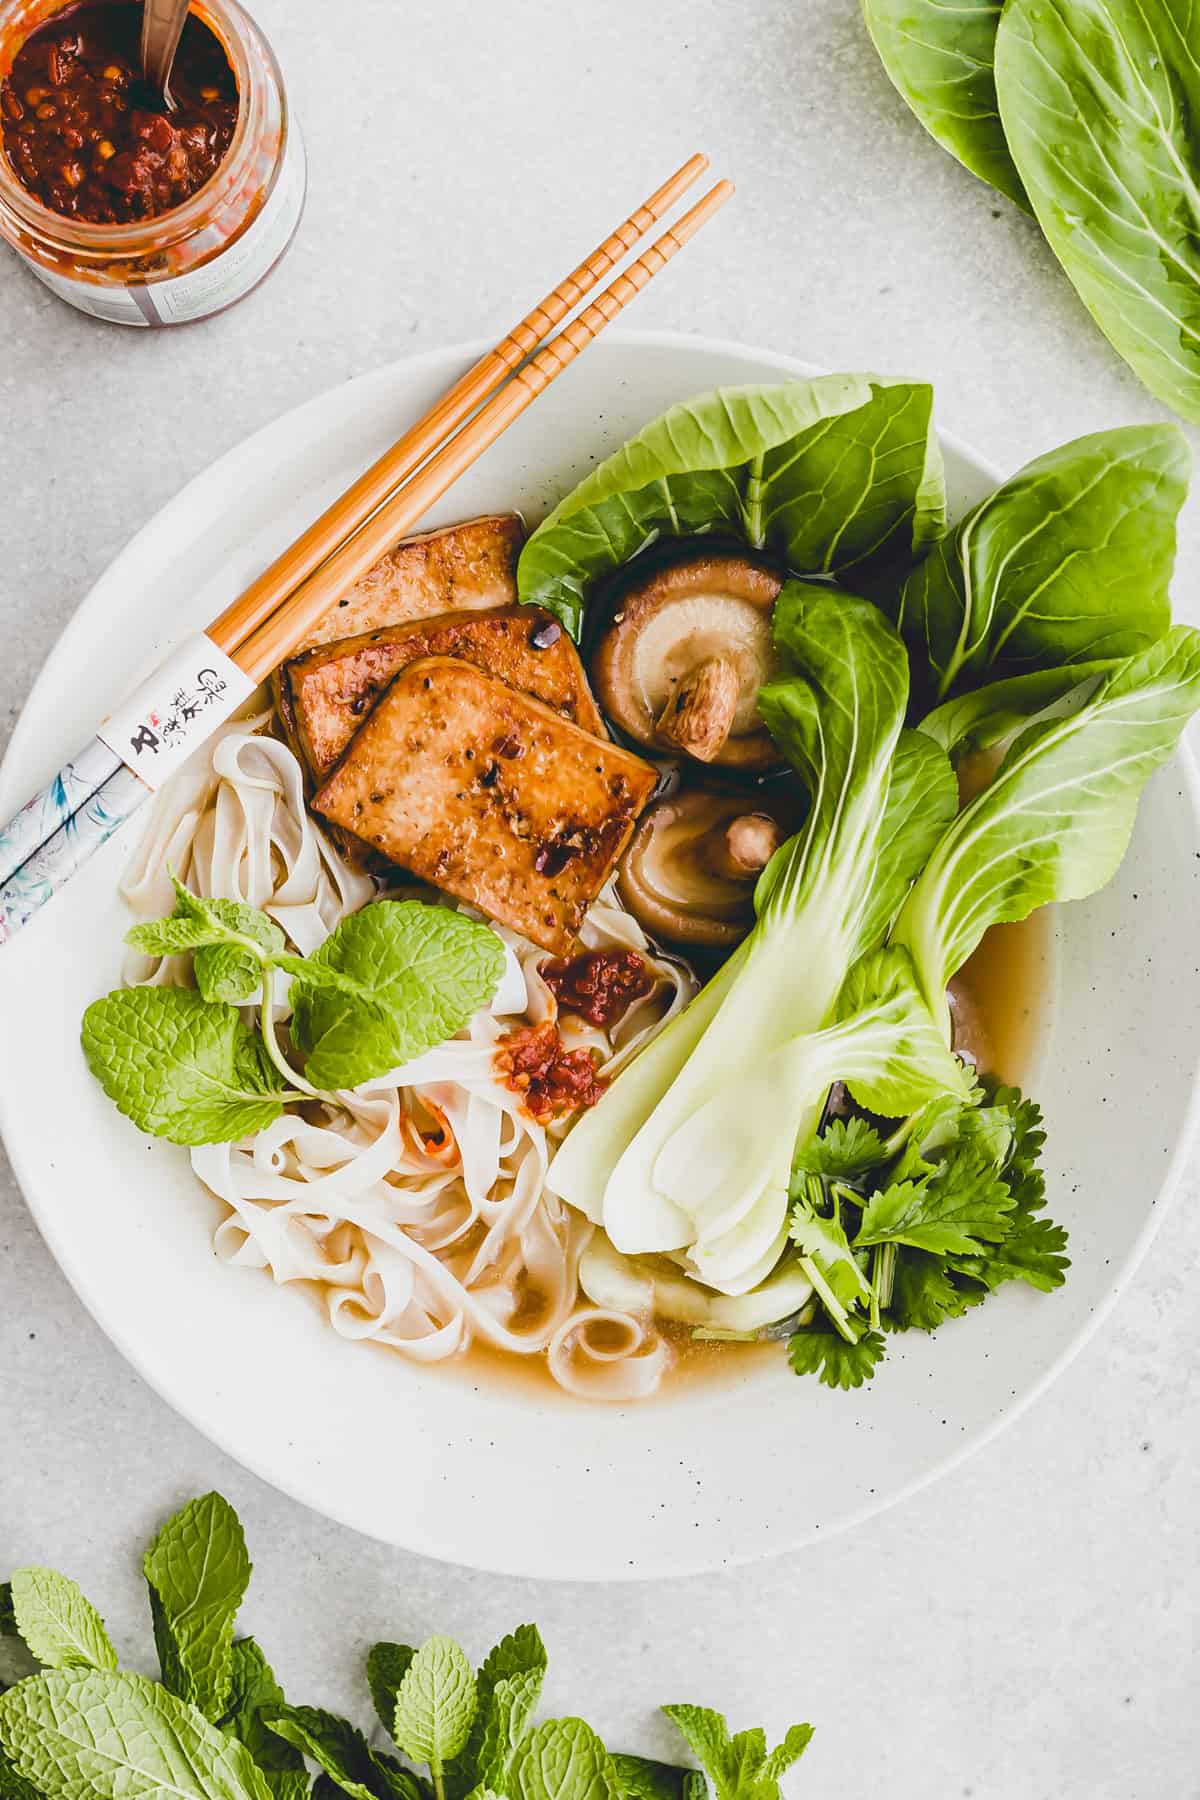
217,1726
389,983
904,1232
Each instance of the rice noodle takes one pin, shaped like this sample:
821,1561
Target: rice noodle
417,1203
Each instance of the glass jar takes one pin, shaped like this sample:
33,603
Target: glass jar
201,256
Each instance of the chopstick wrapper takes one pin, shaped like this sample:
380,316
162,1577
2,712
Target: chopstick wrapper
134,752
196,689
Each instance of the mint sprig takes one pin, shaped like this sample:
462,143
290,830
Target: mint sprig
390,983
198,1570
217,1726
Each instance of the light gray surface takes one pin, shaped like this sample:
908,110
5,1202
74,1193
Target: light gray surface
1026,1628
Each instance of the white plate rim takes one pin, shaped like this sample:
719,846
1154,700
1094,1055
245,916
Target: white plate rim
454,357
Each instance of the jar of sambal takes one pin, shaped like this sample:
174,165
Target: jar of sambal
133,211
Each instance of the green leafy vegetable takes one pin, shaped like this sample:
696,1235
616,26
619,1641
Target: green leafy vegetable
180,1068
60,1627
507,1686
562,1759
435,1705
198,1570
342,1752
1099,100
697,1154
642,1778
947,1211
92,1733
1069,562
837,713
8,1618
390,983
14,1786
941,59
197,923
847,1147
741,1767
1055,821
252,1689
838,475
97,1734
984,716
837,1361
387,1665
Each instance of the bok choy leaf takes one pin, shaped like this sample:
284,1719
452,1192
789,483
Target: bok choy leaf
1055,821
1067,564
835,475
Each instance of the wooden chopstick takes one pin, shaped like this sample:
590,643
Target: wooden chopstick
275,639
255,606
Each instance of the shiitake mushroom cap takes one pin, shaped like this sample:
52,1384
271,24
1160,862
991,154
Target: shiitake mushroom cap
680,663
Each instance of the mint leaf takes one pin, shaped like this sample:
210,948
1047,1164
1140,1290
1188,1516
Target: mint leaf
837,1363
782,1757
507,1711
435,1704
231,941
253,1687
845,1149
521,1654
707,1734
99,1734
386,1668
197,923
179,1068
954,1210
8,1619
60,1627
391,982
14,1786
343,1753
642,1778
740,1766
521,1650
227,972
562,1759
198,1571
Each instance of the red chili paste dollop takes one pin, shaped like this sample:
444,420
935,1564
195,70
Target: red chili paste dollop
550,1080
89,140
599,985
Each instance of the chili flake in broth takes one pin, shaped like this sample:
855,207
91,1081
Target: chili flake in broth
550,1079
598,985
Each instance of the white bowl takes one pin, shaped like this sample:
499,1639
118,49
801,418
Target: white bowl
500,1476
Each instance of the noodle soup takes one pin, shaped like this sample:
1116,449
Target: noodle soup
607,956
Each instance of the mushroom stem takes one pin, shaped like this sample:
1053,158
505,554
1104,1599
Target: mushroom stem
699,715
741,849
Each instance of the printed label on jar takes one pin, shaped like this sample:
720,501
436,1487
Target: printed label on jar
215,284
175,710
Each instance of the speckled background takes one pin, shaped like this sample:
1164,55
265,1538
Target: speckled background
1028,1627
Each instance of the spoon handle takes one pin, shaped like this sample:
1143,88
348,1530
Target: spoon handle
162,23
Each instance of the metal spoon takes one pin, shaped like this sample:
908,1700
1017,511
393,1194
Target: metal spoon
162,23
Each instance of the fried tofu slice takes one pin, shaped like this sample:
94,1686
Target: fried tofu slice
460,569
330,689
489,795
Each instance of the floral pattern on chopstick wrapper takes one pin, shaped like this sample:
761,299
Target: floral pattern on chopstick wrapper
51,866
50,808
